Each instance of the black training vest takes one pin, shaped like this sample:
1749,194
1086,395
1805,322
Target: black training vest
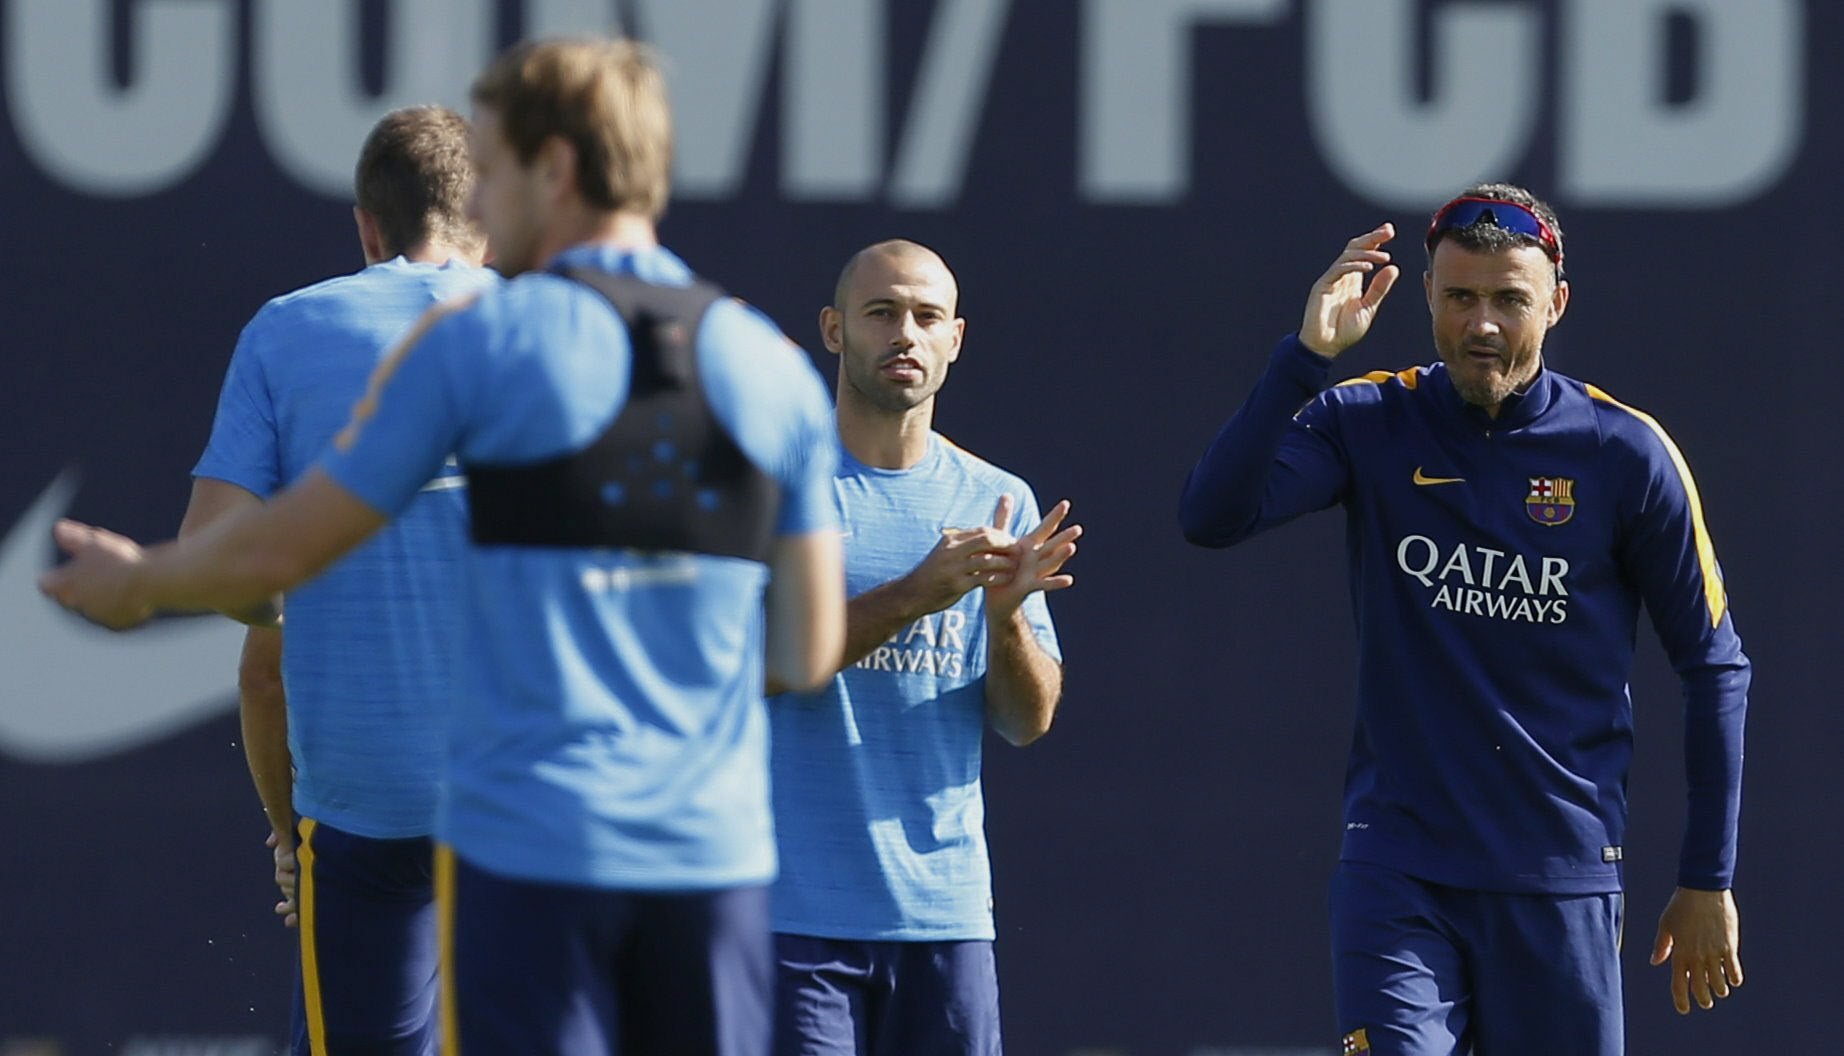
665,475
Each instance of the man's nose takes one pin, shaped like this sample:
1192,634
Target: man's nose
909,334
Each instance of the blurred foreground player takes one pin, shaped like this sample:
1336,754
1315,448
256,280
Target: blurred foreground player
646,461
883,911
1506,523
373,643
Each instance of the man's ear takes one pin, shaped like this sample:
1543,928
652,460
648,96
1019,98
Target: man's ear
1558,301
371,240
832,330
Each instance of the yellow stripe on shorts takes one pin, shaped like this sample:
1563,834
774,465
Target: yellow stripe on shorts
445,940
310,961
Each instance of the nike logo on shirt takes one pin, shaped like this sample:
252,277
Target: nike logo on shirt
1425,481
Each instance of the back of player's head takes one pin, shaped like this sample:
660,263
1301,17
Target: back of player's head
1493,217
414,177
606,98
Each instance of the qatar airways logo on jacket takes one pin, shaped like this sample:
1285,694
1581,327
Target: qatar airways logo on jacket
934,645
1481,581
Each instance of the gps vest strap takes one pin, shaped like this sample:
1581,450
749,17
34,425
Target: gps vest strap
665,474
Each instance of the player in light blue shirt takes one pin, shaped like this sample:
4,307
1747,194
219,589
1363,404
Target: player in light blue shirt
372,644
654,536
883,912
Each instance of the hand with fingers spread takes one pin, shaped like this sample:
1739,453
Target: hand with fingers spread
98,582
1037,558
963,558
1339,310
1700,933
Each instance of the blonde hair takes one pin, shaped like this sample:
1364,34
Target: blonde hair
606,98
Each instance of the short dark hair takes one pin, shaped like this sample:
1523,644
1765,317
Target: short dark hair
414,177
606,98
1483,237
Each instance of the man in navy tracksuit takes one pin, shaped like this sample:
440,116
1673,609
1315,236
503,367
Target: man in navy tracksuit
1505,523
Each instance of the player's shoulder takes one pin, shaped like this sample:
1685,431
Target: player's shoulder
980,471
520,315
738,341
1379,387
357,293
524,297
284,309
1622,427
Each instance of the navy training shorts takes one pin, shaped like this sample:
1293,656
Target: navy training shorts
1420,969
838,997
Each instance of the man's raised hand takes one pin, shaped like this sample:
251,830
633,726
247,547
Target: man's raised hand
1339,310
1038,558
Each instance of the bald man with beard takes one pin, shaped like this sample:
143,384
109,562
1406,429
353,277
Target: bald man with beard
883,910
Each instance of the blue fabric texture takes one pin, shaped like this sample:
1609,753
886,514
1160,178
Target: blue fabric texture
878,803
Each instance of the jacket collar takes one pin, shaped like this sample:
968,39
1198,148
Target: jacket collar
1518,410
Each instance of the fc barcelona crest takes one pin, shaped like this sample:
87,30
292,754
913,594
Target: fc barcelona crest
1551,500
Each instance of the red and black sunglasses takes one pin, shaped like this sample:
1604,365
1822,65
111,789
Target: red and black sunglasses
1509,216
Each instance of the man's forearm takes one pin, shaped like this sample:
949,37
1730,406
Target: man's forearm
221,569
1223,496
1023,683
263,708
870,619
242,561
1716,701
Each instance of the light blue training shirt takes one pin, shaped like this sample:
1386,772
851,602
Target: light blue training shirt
370,645
610,731
877,775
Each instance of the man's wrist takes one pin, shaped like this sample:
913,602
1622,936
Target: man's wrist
1006,615
141,588
1294,360
910,599
1321,353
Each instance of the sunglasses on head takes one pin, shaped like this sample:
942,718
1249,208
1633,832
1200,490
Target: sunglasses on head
1507,216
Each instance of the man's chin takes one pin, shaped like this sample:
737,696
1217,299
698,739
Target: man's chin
1488,391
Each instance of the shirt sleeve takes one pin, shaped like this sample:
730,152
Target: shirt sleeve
809,502
411,416
1036,606
766,391
1667,551
245,444
1274,460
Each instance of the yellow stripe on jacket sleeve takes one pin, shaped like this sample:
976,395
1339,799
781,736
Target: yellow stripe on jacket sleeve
310,960
445,946
1714,596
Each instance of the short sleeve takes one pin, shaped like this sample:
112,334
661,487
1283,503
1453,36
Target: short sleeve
245,445
809,502
764,388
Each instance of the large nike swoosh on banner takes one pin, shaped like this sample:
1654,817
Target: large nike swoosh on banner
71,692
